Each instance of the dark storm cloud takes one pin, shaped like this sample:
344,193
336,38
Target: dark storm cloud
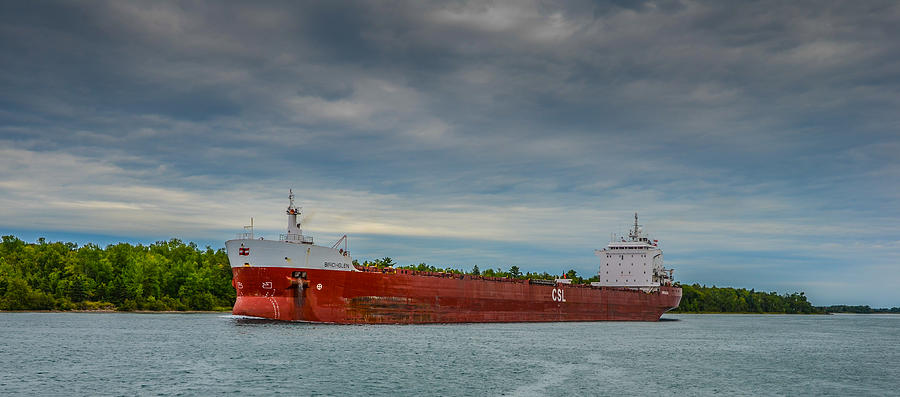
771,123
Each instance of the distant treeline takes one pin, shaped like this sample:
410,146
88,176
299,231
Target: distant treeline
858,309
703,299
512,272
167,275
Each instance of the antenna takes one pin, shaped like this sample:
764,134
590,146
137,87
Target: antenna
634,234
292,209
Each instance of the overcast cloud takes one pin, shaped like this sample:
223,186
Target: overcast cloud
759,141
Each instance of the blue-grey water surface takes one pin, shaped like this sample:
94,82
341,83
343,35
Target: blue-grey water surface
212,354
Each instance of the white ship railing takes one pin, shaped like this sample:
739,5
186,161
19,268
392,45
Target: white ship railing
299,238
248,232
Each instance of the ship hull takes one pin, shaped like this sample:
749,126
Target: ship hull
409,297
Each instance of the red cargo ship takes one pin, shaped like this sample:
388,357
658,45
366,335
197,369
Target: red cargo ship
293,279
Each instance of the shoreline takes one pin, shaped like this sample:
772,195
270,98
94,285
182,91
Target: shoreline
120,311
766,313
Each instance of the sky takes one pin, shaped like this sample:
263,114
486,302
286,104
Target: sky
758,141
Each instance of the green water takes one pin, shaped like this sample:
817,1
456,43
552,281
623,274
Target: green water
212,354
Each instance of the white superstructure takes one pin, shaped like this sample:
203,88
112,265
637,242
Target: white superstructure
635,262
294,229
293,249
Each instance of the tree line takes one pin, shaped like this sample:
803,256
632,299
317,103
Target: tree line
512,272
865,309
166,275
703,299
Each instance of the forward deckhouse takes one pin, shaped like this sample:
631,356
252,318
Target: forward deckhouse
292,249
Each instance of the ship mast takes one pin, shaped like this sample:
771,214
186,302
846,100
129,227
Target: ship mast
635,233
292,212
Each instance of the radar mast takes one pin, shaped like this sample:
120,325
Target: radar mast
636,233
292,212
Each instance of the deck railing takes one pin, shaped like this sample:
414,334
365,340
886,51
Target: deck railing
299,238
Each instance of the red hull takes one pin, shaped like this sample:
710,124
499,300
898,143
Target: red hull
408,297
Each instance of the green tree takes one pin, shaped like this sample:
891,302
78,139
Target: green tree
384,262
76,292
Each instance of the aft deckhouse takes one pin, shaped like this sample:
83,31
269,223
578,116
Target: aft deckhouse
635,262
